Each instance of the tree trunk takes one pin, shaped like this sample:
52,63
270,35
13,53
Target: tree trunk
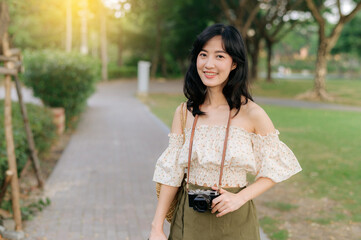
103,42
155,59
182,65
68,39
120,48
254,54
164,67
269,45
84,33
321,69
4,20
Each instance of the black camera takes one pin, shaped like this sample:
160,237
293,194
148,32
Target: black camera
201,200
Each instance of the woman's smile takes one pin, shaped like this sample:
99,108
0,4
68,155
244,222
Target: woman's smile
214,63
210,74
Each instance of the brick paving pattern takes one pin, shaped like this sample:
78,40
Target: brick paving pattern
102,185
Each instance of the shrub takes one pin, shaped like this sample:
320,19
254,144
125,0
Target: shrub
115,71
43,131
61,79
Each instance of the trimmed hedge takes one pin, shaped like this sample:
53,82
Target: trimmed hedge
44,132
61,79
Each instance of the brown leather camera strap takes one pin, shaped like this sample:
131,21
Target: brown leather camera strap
223,155
224,151
190,148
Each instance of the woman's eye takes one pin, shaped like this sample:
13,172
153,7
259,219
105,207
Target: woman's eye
220,56
202,54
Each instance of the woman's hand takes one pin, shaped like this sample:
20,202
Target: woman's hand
157,235
227,202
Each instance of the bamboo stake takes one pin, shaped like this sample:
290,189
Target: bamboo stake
8,71
10,59
29,135
15,192
9,174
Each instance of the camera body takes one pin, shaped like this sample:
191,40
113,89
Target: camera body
201,200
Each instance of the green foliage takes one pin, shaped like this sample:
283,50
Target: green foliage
349,41
61,79
175,24
37,23
43,131
27,212
115,71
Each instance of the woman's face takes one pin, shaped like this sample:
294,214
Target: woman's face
214,64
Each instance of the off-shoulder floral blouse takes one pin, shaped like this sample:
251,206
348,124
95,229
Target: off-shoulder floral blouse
261,155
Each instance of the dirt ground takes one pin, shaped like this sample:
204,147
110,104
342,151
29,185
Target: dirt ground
29,191
28,182
301,221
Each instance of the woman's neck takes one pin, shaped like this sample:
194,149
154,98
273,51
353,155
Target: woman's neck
214,98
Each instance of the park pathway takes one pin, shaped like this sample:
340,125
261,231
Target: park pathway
101,187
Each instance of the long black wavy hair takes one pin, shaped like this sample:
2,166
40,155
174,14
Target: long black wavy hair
238,82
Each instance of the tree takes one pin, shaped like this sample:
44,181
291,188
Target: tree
4,19
241,14
349,41
103,41
68,39
326,43
274,22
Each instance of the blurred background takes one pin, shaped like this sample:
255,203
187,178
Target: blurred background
283,33
306,50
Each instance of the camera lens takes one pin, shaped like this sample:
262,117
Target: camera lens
201,203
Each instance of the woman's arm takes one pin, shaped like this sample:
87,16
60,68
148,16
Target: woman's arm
229,202
262,125
167,193
166,196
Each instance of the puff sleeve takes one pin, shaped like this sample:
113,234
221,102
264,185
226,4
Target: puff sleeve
167,171
274,159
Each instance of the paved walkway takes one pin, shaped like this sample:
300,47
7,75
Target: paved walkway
102,187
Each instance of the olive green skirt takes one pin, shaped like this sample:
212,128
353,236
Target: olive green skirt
188,224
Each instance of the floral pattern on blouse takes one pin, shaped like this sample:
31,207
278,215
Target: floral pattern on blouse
260,155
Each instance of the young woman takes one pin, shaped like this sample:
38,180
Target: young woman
216,86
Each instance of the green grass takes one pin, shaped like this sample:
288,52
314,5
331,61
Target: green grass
345,91
327,144
284,207
271,227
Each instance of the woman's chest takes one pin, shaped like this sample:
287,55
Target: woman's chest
208,145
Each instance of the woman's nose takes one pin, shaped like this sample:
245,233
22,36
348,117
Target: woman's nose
209,63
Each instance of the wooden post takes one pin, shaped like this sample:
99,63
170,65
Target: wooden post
8,175
29,136
15,193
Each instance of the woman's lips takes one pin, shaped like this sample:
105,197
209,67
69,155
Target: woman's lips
210,74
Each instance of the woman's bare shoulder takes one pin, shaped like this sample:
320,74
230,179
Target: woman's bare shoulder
177,124
262,124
